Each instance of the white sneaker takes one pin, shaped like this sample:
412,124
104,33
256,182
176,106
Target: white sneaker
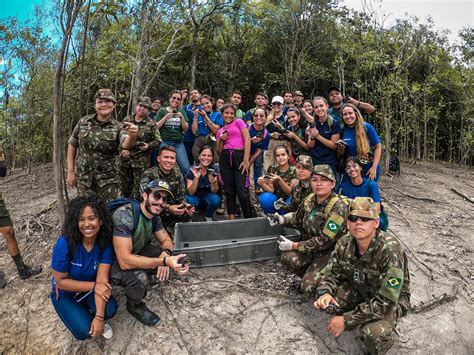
108,331
208,219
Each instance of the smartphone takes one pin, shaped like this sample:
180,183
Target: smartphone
340,141
266,177
185,260
125,125
211,172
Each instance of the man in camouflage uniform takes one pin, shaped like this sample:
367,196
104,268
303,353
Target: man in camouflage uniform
135,161
304,167
177,209
93,149
321,220
366,283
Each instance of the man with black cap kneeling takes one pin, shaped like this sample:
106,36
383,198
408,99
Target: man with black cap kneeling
136,255
321,219
366,283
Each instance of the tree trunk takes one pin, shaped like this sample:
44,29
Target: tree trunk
194,53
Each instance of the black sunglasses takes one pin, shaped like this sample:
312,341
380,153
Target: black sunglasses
353,218
159,196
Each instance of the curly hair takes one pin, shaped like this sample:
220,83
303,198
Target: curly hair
70,227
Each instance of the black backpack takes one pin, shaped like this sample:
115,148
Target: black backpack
118,202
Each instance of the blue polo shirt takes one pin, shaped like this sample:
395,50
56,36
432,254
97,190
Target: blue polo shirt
189,135
320,154
204,185
83,265
263,144
368,188
215,118
348,135
282,120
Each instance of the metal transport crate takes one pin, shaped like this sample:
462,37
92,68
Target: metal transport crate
230,242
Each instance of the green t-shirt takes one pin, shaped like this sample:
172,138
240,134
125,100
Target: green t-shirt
171,130
287,176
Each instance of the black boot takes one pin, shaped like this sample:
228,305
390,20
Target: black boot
3,282
142,313
28,271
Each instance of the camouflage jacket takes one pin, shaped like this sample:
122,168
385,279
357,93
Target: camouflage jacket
174,179
380,278
298,193
98,144
147,133
319,227
287,176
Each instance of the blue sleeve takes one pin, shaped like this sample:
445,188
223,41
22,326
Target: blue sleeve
107,256
60,259
189,174
374,191
372,134
158,225
248,116
266,141
218,119
336,128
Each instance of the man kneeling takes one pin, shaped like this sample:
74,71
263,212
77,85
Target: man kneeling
366,283
135,253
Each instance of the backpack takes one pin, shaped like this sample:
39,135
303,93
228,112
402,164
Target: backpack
118,202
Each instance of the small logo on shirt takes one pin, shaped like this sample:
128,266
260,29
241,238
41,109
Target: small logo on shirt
76,264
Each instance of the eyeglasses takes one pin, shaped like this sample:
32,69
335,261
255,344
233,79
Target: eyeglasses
352,167
158,196
353,218
175,98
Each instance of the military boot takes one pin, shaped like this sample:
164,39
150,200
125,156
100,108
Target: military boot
141,312
28,271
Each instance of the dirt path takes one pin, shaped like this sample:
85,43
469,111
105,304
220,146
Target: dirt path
255,307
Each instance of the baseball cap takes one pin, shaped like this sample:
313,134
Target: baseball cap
105,94
363,207
158,185
298,93
332,88
305,161
324,170
145,101
277,99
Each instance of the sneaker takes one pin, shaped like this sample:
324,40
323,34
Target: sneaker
141,312
208,219
108,331
3,282
29,271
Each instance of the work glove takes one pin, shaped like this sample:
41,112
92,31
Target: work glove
275,219
284,244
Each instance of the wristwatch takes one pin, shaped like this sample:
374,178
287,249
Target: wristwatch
168,251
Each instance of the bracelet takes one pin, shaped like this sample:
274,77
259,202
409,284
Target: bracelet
358,104
164,261
99,317
168,251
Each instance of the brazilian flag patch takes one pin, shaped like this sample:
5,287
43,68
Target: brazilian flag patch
333,225
393,282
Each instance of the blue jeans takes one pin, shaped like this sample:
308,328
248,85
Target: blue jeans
181,156
78,316
257,167
209,201
267,199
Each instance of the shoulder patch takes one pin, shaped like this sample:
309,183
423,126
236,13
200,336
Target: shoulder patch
392,284
333,225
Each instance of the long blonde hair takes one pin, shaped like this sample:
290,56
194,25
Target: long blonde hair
362,142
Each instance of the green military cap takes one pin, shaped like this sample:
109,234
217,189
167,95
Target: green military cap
145,101
298,93
105,94
363,207
324,170
305,161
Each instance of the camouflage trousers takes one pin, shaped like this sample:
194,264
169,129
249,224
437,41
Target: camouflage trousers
307,266
107,192
130,181
377,336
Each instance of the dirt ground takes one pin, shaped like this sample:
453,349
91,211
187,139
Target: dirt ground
255,307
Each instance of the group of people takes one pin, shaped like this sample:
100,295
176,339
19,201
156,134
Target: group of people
296,154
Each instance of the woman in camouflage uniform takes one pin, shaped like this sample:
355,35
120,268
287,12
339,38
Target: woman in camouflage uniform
94,147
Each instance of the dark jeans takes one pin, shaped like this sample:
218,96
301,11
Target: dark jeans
209,202
134,281
235,183
78,316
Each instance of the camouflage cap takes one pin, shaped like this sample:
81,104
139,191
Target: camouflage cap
324,170
105,94
305,161
145,101
158,185
363,207
298,93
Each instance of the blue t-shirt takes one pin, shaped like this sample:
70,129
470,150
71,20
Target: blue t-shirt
215,117
204,186
320,154
83,266
263,144
348,135
282,120
368,188
189,135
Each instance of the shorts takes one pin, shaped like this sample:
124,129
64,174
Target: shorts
5,219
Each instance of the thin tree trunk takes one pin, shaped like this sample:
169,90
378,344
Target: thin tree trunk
83,54
194,53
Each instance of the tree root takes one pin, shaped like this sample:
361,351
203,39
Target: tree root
424,306
471,200
415,197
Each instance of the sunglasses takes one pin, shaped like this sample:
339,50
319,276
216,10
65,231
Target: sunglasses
276,103
353,218
159,196
176,98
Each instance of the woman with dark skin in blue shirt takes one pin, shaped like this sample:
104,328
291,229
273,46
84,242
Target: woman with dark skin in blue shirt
81,261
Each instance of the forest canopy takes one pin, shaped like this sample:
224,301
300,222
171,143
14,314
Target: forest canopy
420,83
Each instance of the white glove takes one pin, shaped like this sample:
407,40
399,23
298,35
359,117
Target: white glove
275,219
284,244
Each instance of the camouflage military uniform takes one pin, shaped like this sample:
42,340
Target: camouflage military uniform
97,145
132,169
287,176
298,193
321,225
373,289
176,182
